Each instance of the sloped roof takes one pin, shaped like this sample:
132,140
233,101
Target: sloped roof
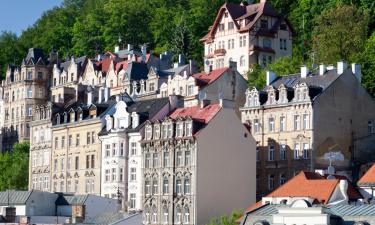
137,71
368,179
207,78
34,54
71,199
14,197
197,113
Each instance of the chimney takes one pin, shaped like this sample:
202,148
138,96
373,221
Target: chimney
193,66
356,69
271,76
233,65
135,120
144,52
322,69
202,97
117,49
304,71
181,60
100,95
106,94
173,101
130,47
341,67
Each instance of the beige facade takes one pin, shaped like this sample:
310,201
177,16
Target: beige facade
24,88
40,148
188,165
247,34
76,149
298,120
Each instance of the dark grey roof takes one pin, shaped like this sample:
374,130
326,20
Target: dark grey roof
124,53
137,71
14,197
135,219
109,218
71,199
177,70
79,61
34,54
352,210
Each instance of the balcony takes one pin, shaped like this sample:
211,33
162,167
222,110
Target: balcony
220,52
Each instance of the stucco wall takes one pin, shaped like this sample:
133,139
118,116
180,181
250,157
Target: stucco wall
226,167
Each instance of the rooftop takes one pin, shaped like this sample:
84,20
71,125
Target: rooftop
197,113
369,178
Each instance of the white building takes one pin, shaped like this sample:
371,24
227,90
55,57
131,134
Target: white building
247,34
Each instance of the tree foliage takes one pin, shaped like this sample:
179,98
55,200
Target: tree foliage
14,167
227,220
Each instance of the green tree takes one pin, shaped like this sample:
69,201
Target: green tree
227,220
10,53
367,60
340,33
15,167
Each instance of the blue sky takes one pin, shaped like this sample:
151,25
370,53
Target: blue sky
17,15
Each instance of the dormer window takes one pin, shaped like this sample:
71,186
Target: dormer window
179,129
263,24
65,117
189,128
165,131
29,75
170,130
226,15
135,120
72,115
58,119
156,132
221,27
80,115
148,132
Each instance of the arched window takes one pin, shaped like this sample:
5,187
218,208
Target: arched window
187,185
155,186
29,93
147,186
165,215
154,214
178,186
242,61
165,185
186,214
271,182
282,179
146,215
58,119
178,215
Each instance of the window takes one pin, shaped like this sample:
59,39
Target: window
256,126
148,132
133,148
370,127
297,122
92,161
155,186
76,182
170,130
221,27
29,93
258,154
305,150
282,179
147,160
178,186
282,123
165,185
77,140
267,43
282,152
62,186
121,149
132,200
70,140
296,151
165,215
179,158
271,150
56,142
133,174
178,215
271,182
62,164
264,24
88,140
107,150
179,130
271,124
187,185
55,165
114,175
230,26
187,158
147,186
87,161
121,174
186,215
69,163
63,142
77,163
188,129
284,44
166,159
93,137
242,61
29,75
306,122
29,111
264,60
107,175
114,146
155,158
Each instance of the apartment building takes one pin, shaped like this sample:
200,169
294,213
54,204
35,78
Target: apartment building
189,163
247,34
41,147
121,164
304,121
76,148
24,87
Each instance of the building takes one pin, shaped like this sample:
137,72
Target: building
301,123
24,87
76,148
313,198
41,147
367,184
121,165
190,164
247,34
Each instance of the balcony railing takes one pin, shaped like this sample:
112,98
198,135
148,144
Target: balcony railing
220,52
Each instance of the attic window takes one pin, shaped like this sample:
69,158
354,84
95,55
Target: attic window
283,26
221,27
264,24
230,26
226,14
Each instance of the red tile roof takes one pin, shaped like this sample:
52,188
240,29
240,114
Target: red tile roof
310,184
205,78
104,64
122,65
369,177
197,113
